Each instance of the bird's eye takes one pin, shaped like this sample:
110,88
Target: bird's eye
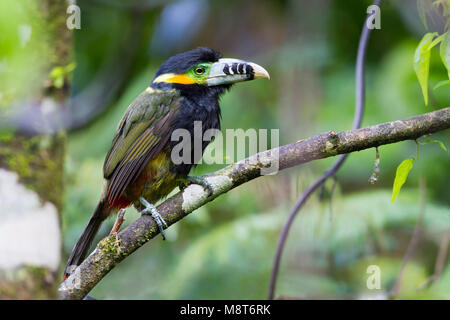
199,70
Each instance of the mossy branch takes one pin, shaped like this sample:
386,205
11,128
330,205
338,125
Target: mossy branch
110,251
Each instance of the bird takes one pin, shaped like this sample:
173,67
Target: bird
138,169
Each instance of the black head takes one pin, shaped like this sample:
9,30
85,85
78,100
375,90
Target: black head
201,76
203,70
182,62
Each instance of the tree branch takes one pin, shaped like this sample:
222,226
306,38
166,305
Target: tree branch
110,251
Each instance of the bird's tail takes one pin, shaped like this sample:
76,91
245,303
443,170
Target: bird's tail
81,248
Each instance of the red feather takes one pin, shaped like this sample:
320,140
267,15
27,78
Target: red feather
120,203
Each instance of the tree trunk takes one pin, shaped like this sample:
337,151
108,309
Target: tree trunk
31,166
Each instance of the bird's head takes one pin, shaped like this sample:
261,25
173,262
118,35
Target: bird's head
203,69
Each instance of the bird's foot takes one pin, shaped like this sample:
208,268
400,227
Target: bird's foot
118,223
203,182
150,209
116,228
200,181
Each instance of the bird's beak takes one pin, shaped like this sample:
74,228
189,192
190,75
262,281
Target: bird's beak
228,71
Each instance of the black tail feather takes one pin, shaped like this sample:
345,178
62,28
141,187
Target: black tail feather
83,244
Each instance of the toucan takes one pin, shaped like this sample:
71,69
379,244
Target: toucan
139,169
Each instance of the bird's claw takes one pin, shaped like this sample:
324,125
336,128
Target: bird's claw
200,181
150,209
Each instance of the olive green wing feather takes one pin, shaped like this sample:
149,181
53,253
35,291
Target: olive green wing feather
143,132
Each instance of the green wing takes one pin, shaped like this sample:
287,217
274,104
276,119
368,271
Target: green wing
142,133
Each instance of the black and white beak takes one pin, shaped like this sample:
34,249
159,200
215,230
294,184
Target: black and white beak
228,71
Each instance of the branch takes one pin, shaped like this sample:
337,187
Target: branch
110,251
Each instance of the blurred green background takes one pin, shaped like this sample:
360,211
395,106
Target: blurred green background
225,249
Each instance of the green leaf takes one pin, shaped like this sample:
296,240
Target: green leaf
59,73
437,40
445,52
400,176
69,68
441,83
422,62
58,82
437,141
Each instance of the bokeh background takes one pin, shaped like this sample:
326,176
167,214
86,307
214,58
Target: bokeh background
225,249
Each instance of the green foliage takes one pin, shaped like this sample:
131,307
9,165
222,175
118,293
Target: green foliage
405,167
59,74
431,10
441,144
225,249
348,243
445,51
24,50
422,60
400,176
441,84
324,257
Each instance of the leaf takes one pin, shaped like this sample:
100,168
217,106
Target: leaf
437,141
58,82
400,176
422,62
445,52
441,83
59,73
437,40
70,67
